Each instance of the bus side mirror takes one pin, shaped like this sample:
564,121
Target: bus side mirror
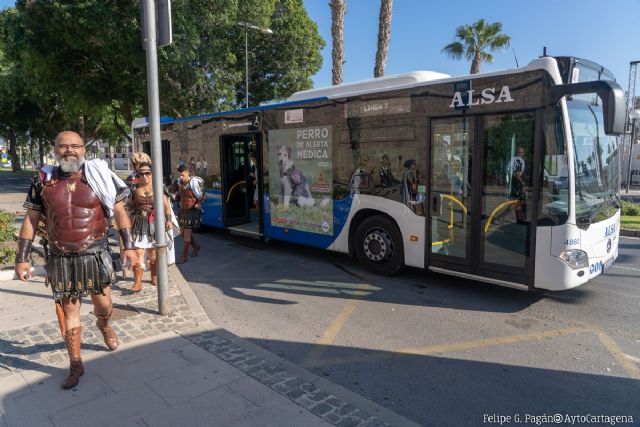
611,94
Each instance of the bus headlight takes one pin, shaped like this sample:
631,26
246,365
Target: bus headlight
575,258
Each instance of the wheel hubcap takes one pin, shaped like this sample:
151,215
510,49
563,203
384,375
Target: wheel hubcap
378,246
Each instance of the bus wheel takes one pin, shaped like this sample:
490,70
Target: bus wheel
378,245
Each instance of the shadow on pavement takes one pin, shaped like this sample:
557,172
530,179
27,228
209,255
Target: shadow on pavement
180,382
448,390
234,264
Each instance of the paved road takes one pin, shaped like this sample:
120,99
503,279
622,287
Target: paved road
13,190
435,349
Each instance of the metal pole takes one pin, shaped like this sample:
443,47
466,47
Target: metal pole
633,133
246,66
156,155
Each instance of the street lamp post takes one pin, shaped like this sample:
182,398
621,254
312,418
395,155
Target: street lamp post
633,115
246,55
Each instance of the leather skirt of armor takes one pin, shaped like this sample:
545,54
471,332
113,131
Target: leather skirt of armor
142,227
190,218
76,274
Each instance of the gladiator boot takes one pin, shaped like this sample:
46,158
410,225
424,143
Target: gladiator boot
185,253
154,273
196,247
110,338
137,277
72,340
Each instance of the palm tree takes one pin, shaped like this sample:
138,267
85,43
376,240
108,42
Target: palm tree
384,34
337,34
474,39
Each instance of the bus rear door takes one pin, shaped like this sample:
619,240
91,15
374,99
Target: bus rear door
238,181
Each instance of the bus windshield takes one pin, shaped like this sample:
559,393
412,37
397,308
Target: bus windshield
596,164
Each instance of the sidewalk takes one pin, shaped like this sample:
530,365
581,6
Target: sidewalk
179,370
633,195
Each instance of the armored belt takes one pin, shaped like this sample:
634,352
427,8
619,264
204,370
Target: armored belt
74,275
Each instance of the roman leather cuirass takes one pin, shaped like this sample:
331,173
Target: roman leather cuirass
187,199
75,218
142,203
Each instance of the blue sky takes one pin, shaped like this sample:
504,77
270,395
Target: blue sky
604,32
600,31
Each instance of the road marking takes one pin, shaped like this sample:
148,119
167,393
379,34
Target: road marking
297,288
340,285
321,287
630,357
332,331
449,347
625,360
626,268
486,342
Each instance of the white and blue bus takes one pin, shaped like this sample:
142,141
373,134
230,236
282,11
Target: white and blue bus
509,177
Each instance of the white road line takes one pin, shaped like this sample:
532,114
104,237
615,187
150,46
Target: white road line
340,285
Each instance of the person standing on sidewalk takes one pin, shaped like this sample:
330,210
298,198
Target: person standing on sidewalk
133,181
139,158
143,223
76,200
190,196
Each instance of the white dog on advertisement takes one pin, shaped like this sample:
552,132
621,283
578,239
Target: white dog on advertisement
293,184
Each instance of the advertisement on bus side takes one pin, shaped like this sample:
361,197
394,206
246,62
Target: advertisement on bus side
300,184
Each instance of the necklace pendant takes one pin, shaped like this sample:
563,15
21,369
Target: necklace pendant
71,187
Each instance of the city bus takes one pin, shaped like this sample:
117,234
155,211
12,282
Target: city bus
509,177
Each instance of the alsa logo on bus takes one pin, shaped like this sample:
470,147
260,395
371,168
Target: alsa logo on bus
487,96
611,229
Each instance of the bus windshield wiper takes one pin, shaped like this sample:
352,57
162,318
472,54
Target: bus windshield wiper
616,199
600,207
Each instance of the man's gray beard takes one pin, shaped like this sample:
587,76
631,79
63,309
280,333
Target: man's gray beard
70,166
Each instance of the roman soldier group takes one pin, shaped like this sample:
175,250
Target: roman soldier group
77,201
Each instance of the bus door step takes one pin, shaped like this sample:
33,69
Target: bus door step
243,230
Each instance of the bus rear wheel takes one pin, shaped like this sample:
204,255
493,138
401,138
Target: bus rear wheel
378,246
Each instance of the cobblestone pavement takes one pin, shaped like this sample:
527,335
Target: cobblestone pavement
320,402
43,345
136,318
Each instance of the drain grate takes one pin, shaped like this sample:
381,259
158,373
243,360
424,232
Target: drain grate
123,312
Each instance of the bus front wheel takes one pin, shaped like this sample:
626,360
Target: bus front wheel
378,245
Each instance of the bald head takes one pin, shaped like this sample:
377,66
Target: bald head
69,137
69,151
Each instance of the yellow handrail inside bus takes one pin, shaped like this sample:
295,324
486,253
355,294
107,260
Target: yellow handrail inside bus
453,199
450,226
442,242
495,211
233,188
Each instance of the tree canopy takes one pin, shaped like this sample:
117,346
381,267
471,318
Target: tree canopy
476,41
80,64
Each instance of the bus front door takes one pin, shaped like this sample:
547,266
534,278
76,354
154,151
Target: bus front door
481,199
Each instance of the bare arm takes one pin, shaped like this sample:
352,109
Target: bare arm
30,224
27,234
167,213
122,218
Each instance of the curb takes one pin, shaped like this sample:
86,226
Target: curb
189,296
11,275
629,233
